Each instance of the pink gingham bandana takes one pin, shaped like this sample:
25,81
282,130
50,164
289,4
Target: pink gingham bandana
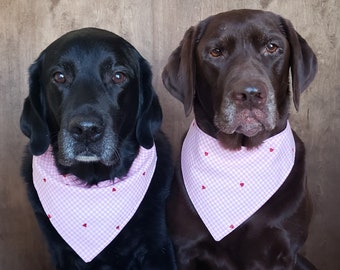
227,187
89,218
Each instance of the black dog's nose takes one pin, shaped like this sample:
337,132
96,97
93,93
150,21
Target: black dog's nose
250,94
85,129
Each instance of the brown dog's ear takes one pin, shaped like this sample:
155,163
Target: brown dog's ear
179,73
32,120
303,63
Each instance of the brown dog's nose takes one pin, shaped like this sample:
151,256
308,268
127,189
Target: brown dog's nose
251,95
86,130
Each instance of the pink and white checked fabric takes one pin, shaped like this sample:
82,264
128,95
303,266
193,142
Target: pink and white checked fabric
227,187
89,218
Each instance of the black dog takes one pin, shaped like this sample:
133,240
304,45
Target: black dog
92,108
233,68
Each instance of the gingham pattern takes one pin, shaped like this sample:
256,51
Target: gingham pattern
227,187
89,218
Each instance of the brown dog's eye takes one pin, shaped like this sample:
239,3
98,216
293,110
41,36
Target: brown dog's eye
59,77
216,52
271,48
118,77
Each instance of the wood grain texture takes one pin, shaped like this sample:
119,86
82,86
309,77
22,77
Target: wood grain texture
155,28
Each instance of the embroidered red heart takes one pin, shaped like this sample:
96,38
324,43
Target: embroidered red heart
144,173
114,189
231,226
206,153
271,149
49,216
118,227
84,225
241,184
44,180
203,187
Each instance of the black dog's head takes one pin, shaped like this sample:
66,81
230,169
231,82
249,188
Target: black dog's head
91,98
233,68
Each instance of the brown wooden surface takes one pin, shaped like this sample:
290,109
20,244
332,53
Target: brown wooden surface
155,29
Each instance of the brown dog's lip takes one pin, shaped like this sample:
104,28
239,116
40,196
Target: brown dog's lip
250,129
246,122
250,122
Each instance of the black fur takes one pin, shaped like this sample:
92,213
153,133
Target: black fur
95,77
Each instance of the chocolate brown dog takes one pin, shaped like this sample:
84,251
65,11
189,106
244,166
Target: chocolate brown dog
233,69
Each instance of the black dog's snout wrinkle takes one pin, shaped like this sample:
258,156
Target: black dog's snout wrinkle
86,129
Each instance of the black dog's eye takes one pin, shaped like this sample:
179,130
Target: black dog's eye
271,48
118,77
216,52
59,77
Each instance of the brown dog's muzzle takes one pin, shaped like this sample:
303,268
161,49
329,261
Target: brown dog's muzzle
248,102
250,95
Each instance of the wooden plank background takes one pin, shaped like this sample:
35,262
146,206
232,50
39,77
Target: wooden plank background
155,29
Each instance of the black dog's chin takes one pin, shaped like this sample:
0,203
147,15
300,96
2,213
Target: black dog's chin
87,158
96,159
107,155
72,151
82,159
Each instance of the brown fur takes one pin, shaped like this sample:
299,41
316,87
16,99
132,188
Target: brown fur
233,69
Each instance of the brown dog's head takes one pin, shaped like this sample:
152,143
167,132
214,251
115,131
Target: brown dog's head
234,69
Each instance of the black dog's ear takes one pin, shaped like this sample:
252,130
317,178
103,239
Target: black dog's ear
150,112
32,120
179,74
303,63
